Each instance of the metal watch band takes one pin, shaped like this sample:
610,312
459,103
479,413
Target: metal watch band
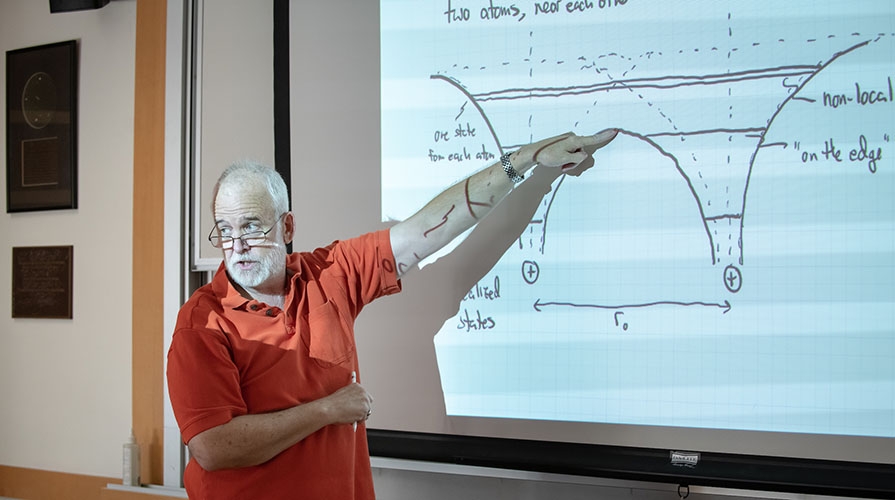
508,168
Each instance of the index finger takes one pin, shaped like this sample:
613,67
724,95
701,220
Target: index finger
601,138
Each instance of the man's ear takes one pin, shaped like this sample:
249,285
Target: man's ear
288,227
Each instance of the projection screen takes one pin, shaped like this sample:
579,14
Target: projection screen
720,281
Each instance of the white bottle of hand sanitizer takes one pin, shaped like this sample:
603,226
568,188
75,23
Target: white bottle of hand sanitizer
131,463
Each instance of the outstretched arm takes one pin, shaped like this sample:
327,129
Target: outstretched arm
460,206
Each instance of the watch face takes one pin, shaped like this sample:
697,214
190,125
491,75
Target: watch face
39,100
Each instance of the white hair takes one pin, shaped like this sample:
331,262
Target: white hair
248,171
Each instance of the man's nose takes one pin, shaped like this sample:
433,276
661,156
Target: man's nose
240,246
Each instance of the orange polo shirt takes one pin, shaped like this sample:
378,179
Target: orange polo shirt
230,356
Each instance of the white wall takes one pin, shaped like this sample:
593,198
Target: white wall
65,385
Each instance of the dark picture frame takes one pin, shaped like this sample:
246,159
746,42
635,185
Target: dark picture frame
41,127
42,282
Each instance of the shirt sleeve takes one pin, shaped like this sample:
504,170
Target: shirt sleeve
203,381
369,264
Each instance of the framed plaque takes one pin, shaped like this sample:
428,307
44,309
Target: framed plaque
42,282
41,127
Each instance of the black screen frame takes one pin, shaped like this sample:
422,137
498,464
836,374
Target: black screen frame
748,472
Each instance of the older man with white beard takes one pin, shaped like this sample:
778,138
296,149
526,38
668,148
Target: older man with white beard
262,362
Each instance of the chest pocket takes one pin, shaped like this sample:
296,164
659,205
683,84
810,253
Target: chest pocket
331,339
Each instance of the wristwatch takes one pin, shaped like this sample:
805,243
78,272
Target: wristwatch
508,168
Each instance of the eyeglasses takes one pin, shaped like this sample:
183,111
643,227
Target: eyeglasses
248,239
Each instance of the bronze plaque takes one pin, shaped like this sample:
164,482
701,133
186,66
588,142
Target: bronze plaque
42,282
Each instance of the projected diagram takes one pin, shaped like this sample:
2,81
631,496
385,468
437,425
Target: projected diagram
736,127
719,188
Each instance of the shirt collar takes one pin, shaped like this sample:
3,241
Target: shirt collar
230,296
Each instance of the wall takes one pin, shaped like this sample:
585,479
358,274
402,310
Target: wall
65,385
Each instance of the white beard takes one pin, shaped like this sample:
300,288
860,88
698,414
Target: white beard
268,261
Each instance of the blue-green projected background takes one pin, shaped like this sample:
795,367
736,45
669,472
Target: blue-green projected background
728,261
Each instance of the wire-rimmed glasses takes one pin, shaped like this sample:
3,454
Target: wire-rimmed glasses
248,239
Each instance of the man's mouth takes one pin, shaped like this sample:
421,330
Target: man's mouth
244,264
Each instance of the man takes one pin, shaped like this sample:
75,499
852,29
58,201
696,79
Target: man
262,365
